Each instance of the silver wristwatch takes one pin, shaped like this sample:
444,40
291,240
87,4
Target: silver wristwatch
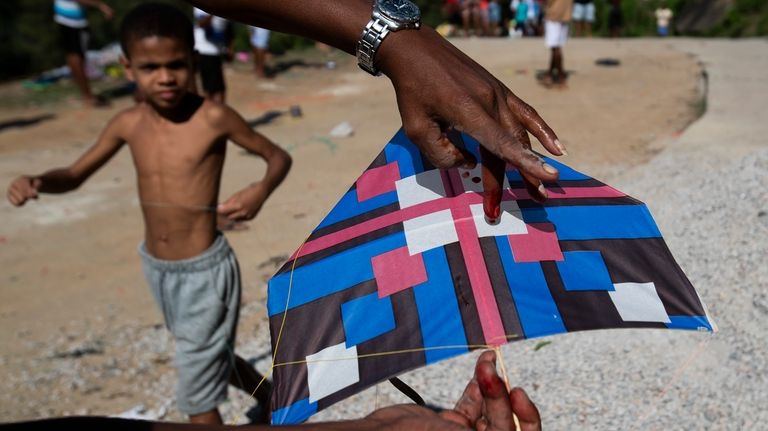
388,16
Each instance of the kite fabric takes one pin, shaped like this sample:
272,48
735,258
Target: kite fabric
405,271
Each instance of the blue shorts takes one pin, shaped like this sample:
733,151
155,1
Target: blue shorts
584,12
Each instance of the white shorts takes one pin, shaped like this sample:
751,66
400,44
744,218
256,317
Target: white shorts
555,33
259,37
584,12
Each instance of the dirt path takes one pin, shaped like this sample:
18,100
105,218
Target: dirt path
78,329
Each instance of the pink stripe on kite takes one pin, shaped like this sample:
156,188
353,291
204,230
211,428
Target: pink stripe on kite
377,181
567,193
462,200
455,179
373,224
487,308
584,192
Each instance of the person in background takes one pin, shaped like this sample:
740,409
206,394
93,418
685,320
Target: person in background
71,19
260,44
663,17
494,17
615,19
583,17
557,15
475,13
210,44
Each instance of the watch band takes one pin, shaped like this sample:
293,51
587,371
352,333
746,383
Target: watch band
370,40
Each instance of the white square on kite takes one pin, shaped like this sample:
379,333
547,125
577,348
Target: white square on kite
331,370
638,302
424,187
510,223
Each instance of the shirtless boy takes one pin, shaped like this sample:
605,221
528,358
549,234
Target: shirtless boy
178,143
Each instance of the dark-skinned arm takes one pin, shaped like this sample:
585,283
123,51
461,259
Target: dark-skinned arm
438,88
65,179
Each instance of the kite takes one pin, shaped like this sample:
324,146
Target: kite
405,271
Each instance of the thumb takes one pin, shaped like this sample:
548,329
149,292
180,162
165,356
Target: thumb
227,207
35,183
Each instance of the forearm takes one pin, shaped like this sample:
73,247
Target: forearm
91,3
278,165
338,23
59,180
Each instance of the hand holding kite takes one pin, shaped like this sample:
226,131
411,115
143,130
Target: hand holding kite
438,88
446,89
485,405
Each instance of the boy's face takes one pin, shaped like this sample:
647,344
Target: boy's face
162,69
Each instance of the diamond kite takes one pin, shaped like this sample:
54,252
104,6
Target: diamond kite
405,271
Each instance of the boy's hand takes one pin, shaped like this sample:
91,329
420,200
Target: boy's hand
106,11
23,189
245,204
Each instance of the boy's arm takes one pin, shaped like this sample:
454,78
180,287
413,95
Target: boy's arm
62,180
245,204
100,5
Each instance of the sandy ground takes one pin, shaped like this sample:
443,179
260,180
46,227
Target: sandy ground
78,329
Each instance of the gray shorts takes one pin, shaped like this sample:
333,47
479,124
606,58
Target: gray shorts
200,300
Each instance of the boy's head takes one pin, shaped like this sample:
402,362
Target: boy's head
155,20
158,43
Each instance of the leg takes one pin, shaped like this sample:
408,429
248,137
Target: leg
76,63
247,379
259,58
465,15
556,66
211,417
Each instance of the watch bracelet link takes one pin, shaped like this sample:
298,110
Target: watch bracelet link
370,40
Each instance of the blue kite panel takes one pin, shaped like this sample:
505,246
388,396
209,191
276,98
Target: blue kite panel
295,413
596,222
349,207
584,270
312,281
535,306
438,309
689,322
366,317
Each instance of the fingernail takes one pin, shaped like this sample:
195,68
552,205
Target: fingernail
543,191
561,147
549,168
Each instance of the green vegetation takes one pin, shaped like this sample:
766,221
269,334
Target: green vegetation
746,18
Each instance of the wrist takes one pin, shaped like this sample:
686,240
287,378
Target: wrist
398,49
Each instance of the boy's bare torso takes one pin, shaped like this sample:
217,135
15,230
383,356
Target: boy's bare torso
178,170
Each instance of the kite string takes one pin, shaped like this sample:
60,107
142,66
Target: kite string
505,377
496,348
282,325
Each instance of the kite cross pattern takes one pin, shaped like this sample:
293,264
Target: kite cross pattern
406,271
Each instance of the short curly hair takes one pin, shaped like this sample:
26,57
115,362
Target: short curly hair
156,19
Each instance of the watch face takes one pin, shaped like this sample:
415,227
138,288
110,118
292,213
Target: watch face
400,10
